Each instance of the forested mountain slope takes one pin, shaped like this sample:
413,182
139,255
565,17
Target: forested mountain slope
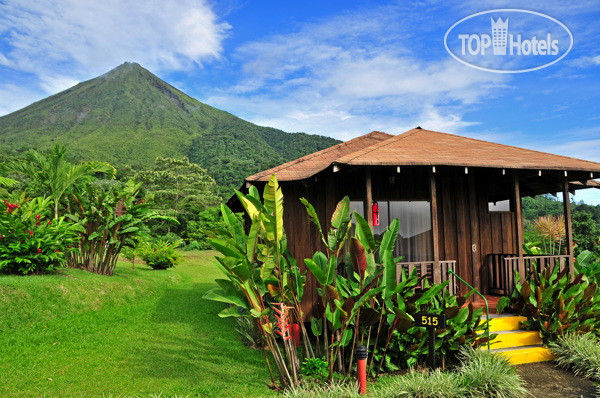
129,116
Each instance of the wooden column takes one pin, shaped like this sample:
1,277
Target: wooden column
518,223
568,224
437,276
368,196
475,241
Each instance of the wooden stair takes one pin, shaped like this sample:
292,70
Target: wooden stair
519,346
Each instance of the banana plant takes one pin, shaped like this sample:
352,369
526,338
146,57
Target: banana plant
261,274
111,218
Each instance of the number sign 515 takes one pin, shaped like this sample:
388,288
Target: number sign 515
431,321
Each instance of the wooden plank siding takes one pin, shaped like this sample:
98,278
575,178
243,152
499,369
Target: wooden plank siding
463,218
465,221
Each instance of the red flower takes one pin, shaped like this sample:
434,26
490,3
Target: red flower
48,222
56,251
37,224
37,217
39,250
30,233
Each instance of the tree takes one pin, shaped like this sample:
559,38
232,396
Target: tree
54,172
181,189
112,216
585,232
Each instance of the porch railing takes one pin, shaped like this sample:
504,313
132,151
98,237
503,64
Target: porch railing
426,270
499,276
501,269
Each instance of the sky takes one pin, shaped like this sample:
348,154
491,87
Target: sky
334,68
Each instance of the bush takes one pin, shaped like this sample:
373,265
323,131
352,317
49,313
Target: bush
160,254
30,241
200,229
194,245
337,389
555,303
436,384
579,353
589,264
249,332
481,374
317,368
485,374
408,346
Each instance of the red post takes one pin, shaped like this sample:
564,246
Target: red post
361,368
294,330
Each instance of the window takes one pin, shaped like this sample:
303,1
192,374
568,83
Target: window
414,240
501,205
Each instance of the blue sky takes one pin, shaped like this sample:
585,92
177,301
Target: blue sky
336,68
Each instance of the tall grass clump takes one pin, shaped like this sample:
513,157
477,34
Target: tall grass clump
485,374
436,384
336,389
579,353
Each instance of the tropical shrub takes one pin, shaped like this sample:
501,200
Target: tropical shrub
555,303
315,367
579,353
194,245
435,384
408,344
251,335
588,264
485,374
131,254
203,226
263,281
369,305
160,254
112,216
53,172
30,241
364,304
551,229
181,190
481,374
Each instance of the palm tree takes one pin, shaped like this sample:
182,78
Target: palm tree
54,172
7,182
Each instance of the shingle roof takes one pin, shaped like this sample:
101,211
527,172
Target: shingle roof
313,163
425,147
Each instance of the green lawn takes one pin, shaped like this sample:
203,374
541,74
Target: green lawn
137,333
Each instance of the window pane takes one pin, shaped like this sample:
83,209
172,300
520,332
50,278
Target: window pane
502,205
414,240
357,206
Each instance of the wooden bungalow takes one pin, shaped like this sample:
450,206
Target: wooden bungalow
458,200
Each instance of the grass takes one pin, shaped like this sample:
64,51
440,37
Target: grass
580,354
140,333
481,375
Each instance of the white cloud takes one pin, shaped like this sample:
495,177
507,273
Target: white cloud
55,84
586,61
86,38
353,74
15,97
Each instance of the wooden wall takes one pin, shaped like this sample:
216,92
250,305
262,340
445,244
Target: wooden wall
463,216
464,221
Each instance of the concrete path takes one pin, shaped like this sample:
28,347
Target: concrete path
546,380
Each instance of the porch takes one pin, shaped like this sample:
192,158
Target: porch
499,278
